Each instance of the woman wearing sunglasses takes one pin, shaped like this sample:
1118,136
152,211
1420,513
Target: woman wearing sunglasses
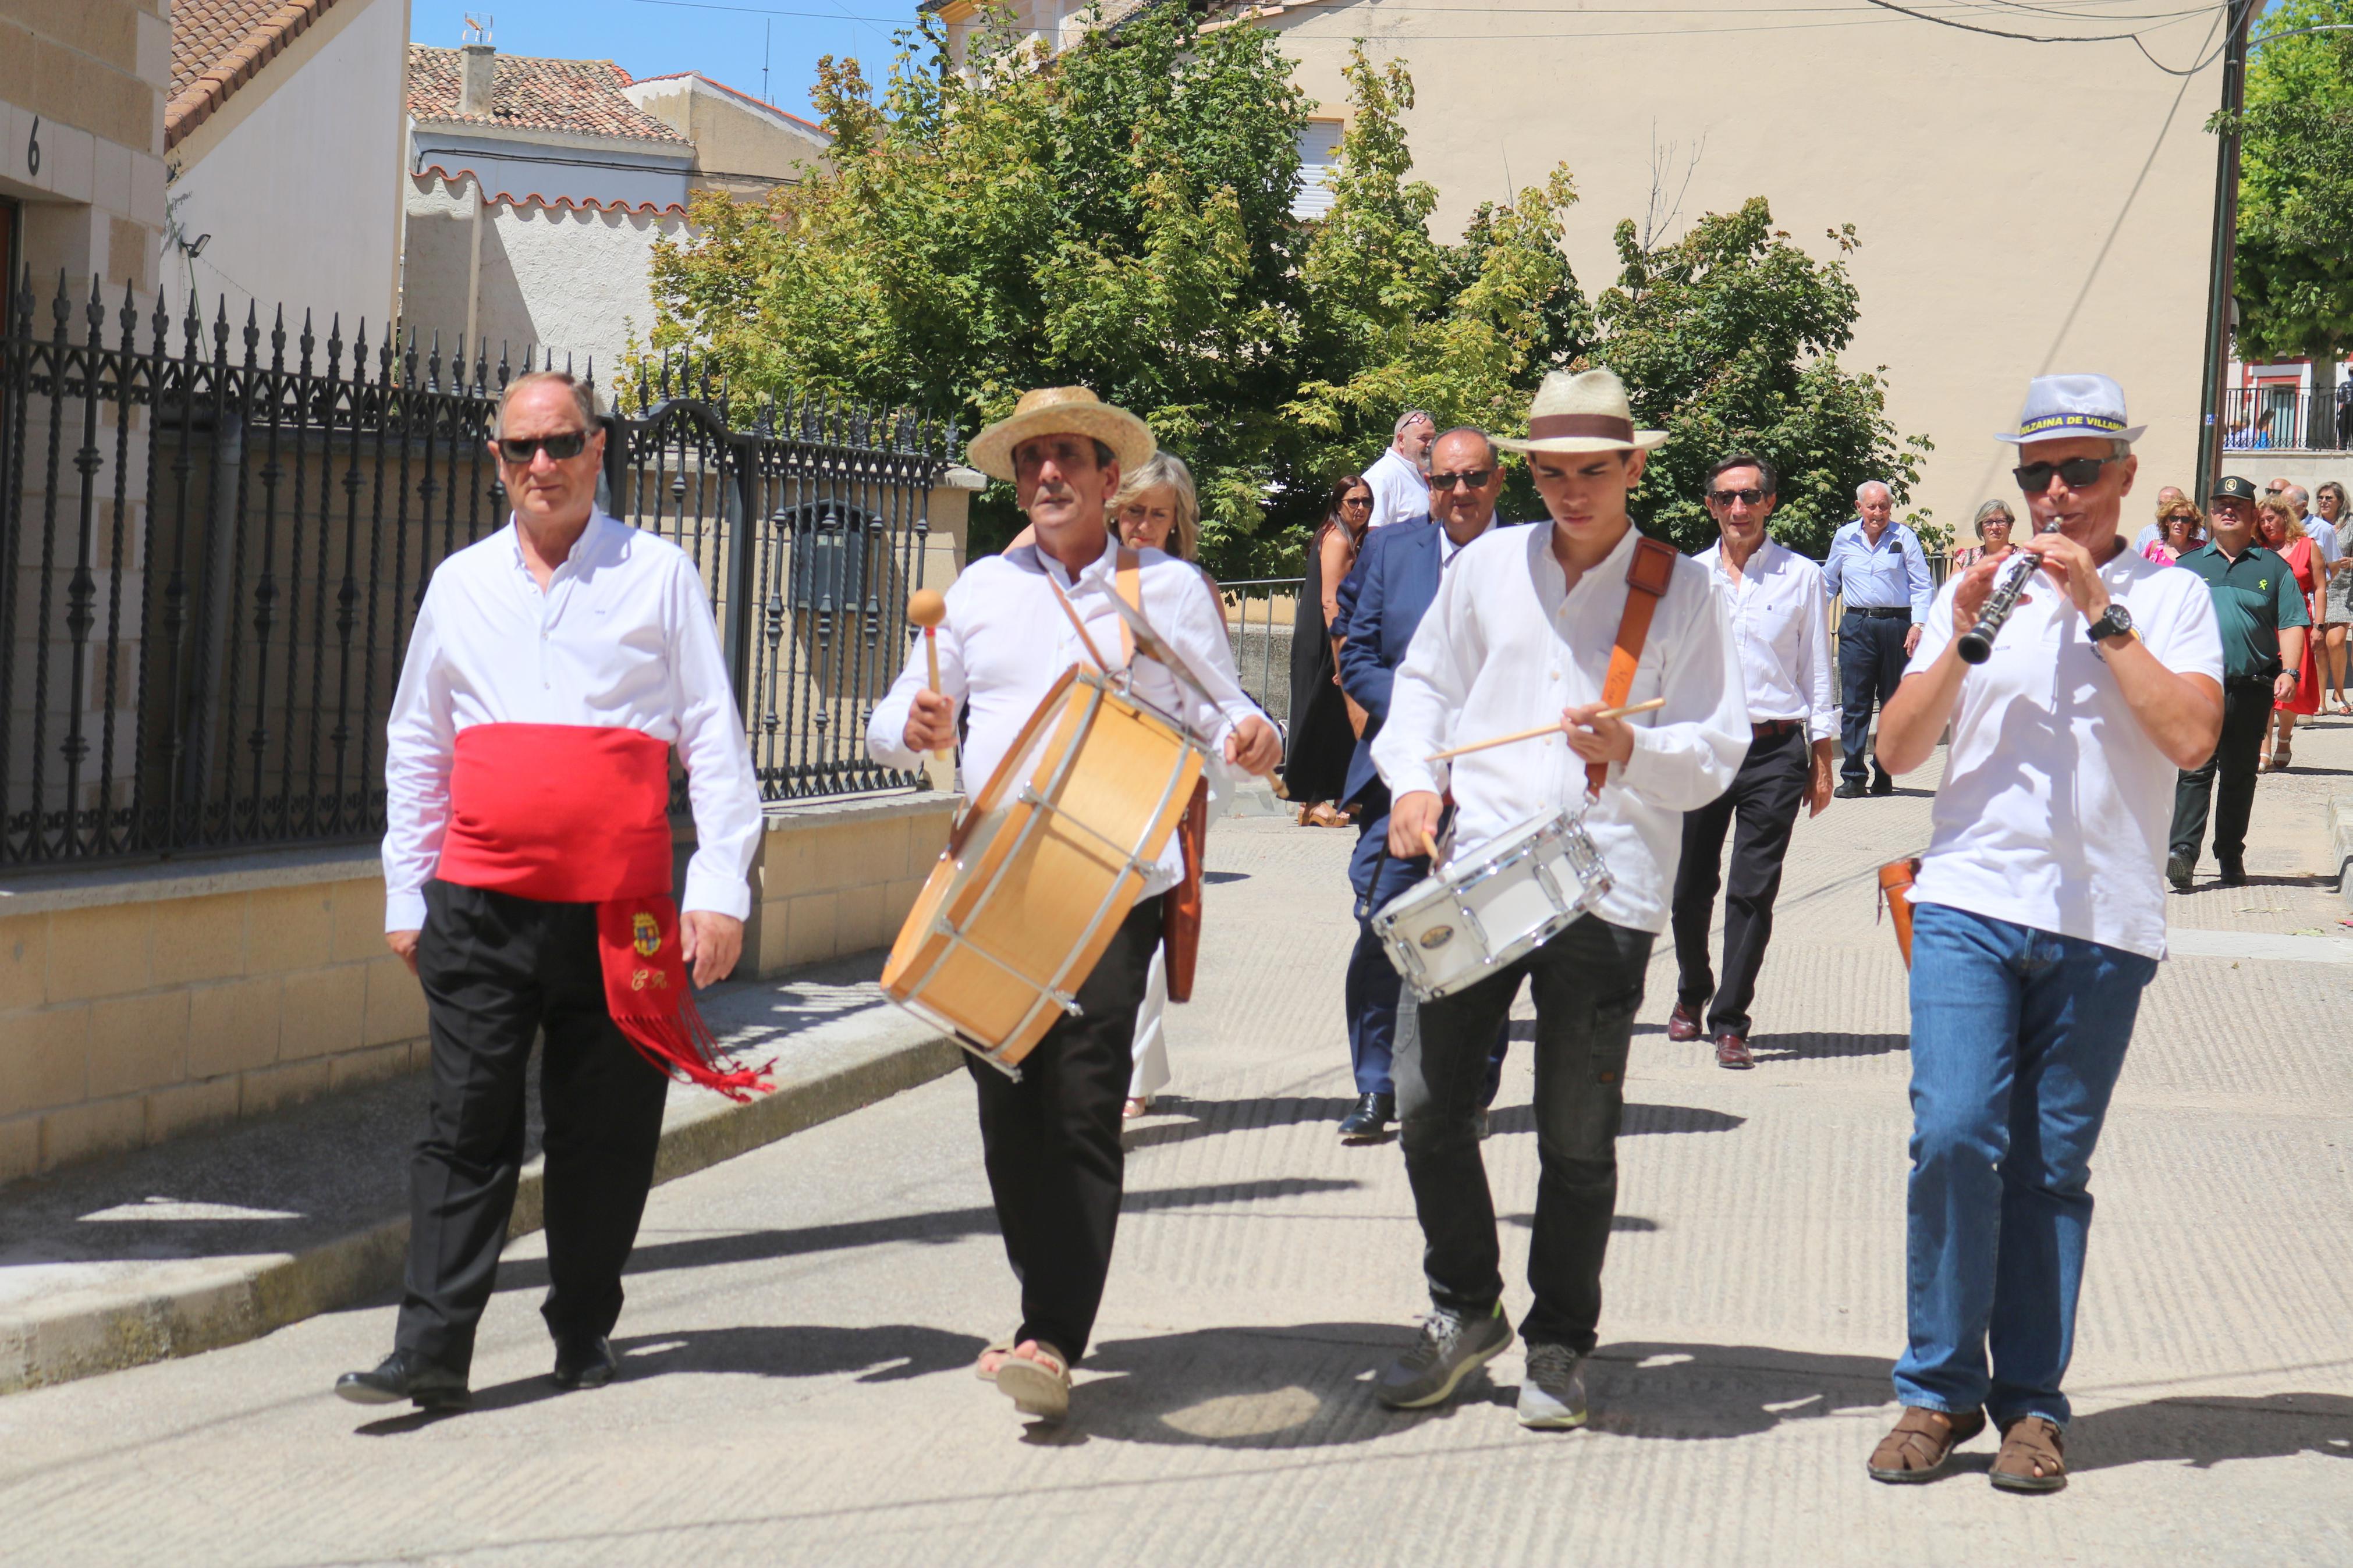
2181,528
2328,502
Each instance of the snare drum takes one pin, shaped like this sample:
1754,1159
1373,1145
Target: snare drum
1041,868
1474,916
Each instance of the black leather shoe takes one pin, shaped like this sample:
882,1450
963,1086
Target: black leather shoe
2235,873
585,1363
2179,869
1882,784
1370,1119
403,1374
1849,791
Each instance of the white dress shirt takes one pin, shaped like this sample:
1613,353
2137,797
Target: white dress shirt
2056,807
1780,615
623,637
1506,645
1007,641
1400,490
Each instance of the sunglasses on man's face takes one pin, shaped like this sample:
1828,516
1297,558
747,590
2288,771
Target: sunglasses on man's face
2077,472
521,449
1726,497
1476,478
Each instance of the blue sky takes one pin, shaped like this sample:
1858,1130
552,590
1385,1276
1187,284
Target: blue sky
653,37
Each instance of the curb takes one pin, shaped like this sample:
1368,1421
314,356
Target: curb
2340,843
251,1297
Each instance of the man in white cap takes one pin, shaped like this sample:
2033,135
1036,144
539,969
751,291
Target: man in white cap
1400,476
1051,1139
1552,624
2038,917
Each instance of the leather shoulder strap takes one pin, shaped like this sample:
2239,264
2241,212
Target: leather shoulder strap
1647,576
1128,577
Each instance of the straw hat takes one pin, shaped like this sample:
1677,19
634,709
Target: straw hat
1586,413
1061,411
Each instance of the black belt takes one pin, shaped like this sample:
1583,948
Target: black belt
1774,729
1877,613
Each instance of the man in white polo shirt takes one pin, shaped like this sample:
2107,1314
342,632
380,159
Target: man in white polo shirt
1400,476
2039,917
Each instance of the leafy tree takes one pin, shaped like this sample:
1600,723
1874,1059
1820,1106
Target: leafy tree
1120,221
2295,262
1727,339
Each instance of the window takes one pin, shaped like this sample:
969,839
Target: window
1319,158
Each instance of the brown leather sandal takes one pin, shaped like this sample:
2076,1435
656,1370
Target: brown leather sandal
1922,1444
2033,1457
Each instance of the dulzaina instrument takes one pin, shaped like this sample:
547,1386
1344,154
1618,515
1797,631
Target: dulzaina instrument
1976,645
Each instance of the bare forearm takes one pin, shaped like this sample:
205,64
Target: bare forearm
2181,713
1917,713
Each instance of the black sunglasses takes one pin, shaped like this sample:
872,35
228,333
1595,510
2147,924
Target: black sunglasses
2078,472
1356,501
521,449
1726,497
1476,478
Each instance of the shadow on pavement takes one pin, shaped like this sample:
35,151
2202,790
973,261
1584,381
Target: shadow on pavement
1816,1046
1304,1386
936,1226
1640,1118
2204,1431
1693,1391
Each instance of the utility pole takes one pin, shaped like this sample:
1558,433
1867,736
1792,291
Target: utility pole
2222,275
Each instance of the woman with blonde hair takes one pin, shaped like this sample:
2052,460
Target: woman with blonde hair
2181,528
2279,530
2328,503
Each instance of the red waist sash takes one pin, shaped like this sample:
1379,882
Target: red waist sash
579,814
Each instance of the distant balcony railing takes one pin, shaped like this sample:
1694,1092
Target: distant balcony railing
2267,418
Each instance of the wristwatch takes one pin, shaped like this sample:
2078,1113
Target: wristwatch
2115,621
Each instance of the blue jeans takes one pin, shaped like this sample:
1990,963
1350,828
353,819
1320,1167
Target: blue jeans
2017,1035
1374,997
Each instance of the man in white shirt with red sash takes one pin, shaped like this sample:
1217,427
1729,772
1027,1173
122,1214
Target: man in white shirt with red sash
553,668
1051,1141
1551,624
2038,917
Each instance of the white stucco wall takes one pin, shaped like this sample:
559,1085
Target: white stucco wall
297,178
1985,179
565,279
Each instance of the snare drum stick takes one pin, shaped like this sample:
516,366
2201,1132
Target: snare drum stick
1429,845
1542,730
927,609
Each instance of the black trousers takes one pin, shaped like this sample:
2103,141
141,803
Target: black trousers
2246,713
1871,661
1765,795
1588,982
498,970
1052,1147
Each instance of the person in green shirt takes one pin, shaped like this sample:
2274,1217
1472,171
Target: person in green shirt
2263,624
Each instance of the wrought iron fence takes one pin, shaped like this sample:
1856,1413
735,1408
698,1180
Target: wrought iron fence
211,557
2258,418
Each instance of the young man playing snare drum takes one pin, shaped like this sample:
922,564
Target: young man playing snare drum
1524,633
1051,1139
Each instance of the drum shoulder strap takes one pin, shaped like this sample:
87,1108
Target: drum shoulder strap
1128,575
1647,576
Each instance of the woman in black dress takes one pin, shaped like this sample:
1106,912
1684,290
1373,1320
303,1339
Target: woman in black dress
1323,729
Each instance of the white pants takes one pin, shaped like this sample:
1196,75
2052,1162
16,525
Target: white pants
1150,1033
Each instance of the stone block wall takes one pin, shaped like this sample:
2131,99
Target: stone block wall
839,876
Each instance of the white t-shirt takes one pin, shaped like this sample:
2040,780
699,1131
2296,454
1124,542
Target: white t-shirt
2324,537
1400,490
2056,808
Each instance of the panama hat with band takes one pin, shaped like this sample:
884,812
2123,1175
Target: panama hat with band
1585,413
2067,407
1063,411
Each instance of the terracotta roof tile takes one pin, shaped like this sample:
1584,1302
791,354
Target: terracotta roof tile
218,45
530,94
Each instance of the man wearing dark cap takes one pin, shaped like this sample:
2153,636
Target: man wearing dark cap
2263,624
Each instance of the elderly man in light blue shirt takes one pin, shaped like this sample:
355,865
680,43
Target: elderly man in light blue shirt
1877,563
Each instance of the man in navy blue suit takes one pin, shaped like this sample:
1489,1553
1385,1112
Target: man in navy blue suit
1380,603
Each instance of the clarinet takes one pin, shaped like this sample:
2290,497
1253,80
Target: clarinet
1976,645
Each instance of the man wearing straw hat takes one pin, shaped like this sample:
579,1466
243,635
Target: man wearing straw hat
2038,921
1051,1139
1553,624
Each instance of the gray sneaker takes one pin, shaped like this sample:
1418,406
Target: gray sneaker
1450,1350
1551,1395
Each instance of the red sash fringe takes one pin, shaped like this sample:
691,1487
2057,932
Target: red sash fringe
579,814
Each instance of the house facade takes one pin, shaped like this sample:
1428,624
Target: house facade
282,149
742,146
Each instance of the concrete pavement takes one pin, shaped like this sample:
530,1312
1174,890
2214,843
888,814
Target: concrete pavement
803,1317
